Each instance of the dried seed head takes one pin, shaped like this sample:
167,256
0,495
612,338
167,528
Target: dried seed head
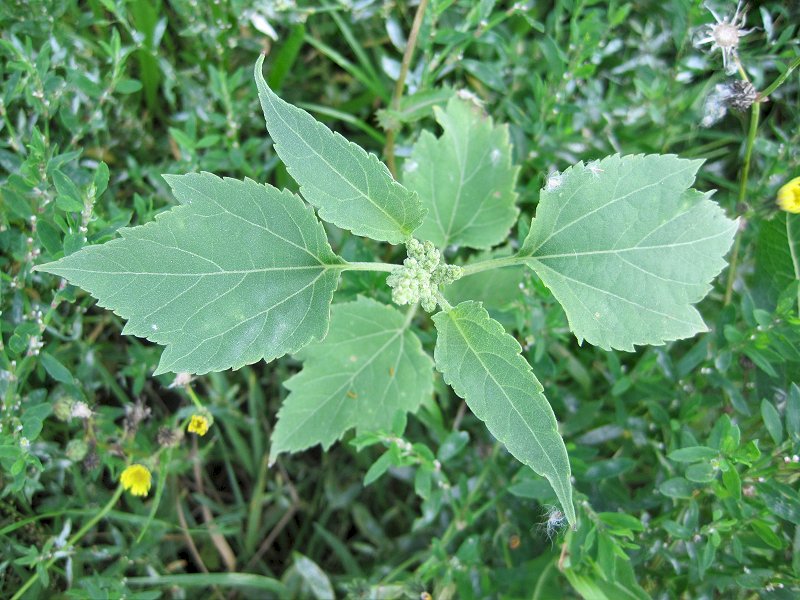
725,35
743,94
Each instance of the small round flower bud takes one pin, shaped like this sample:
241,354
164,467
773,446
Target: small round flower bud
62,408
77,450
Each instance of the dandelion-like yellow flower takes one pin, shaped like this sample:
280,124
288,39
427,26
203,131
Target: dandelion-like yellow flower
198,424
136,479
789,196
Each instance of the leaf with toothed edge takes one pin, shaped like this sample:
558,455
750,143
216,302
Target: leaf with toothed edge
626,247
238,272
465,178
369,366
484,366
351,188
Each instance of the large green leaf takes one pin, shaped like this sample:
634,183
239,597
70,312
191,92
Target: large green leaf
465,178
238,272
368,367
351,189
627,247
484,366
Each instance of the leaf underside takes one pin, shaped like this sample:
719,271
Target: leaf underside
627,247
465,178
369,366
352,189
484,366
237,273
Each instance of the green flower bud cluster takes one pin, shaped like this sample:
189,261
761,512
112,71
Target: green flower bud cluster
421,275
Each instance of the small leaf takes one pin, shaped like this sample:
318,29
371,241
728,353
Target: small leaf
701,472
239,272
351,189
369,367
620,521
772,421
484,366
627,248
314,576
465,178
793,412
765,532
55,369
677,487
781,500
693,454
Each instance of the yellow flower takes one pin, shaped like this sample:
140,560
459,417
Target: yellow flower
199,424
789,196
137,479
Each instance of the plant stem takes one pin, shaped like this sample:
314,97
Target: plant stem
443,302
388,149
494,263
72,541
793,254
748,153
365,266
781,78
751,137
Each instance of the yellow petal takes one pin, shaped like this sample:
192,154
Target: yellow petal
136,479
789,196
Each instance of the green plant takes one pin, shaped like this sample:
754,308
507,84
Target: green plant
242,272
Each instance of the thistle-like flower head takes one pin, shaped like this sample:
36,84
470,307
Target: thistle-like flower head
725,35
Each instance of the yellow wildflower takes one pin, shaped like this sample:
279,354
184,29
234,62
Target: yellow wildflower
789,196
137,479
198,424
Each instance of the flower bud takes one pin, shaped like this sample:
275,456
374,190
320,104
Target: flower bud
77,450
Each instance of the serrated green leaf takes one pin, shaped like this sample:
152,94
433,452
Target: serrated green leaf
351,189
484,366
368,367
465,178
239,272
627,247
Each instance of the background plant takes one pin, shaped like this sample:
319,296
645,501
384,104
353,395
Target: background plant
633,84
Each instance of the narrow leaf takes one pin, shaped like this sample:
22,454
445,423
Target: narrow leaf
465,178
484,366
627,247
351,189
368,367
237,273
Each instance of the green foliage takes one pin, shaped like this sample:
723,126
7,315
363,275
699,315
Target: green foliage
683,456
351,189
626,246
483,364
465,178
216,280
369,367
